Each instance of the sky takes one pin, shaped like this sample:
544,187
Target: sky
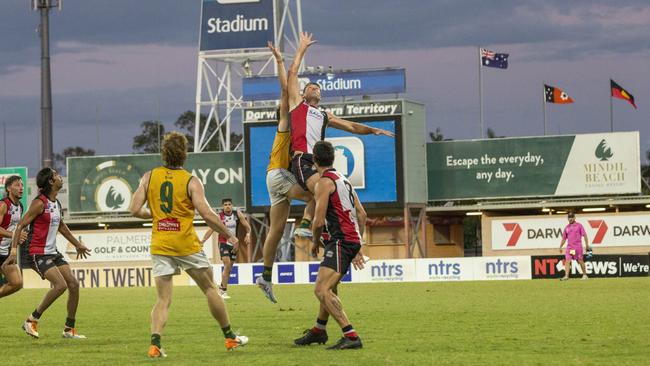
118,63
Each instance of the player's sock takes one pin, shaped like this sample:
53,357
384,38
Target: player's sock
305,224
69,323
36,315
349,332
267,274
320,326
155,340
228,333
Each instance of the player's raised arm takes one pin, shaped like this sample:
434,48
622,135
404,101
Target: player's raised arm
354,127
283,110
292,82
197,194
137,207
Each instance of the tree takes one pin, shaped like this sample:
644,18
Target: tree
437,135
185,122
70,151
493,135
149,140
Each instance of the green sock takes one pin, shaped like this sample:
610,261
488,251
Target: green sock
267,273
155,340
228,333
305,224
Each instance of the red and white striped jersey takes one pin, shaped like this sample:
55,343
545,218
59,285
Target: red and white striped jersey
9,222
231,221
308,126
42,236
341,216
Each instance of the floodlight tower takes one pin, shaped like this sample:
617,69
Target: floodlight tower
224,60
44,6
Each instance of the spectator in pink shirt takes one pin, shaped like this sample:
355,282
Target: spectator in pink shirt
573,233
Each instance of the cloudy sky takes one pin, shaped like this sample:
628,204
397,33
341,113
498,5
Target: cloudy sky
117,63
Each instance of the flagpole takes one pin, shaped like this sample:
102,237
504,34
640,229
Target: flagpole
544,105
611,108
480,92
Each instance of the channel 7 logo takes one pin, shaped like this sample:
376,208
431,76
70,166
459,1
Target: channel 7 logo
349,159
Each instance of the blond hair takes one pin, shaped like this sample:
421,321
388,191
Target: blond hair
174,149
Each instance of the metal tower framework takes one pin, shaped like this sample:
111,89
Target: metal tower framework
220,73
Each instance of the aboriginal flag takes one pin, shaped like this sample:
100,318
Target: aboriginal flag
620,93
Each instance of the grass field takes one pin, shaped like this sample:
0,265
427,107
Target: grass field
542,322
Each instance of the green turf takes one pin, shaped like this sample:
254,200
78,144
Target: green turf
543,322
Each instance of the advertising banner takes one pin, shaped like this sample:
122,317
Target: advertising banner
117,245
572,165
370,162
107,183
502,268
114,277
333,84
545,232
444,269
346,110
597,266
236,24
21,172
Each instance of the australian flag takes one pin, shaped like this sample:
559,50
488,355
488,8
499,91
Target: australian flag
493,59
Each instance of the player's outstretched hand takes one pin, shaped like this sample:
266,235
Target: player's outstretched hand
306,40
379,131
82,251
358,262
274,50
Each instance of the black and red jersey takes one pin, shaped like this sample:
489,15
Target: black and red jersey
308,126
44,228
341,216
9,221
231,221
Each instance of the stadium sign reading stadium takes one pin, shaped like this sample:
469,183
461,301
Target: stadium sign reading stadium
333,84
236,24
345,110
570,165
107,183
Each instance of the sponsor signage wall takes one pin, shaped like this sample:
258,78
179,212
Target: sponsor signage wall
370,162
349,109
572,165
392,270
107,183
334,84
597,266
545,232
22,172
236,24
117,245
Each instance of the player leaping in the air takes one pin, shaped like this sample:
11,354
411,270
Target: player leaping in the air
280,183
308,124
